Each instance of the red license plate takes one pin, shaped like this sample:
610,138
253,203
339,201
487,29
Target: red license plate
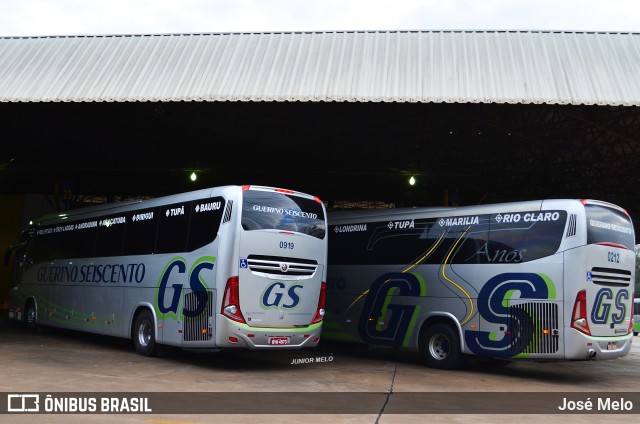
278,341
612,346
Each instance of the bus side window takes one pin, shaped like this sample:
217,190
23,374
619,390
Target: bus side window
17,256
173,228
39,250
473,249
109,237
140,232
205,222
77,240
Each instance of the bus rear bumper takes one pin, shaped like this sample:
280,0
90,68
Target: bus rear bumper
579,346
237,335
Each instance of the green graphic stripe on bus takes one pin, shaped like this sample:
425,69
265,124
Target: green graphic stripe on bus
407,342
330,322
496,304
534,256
174,279
551,290
311,328
393,291
331,329
146,268
379,307
537,335
635,316
48,312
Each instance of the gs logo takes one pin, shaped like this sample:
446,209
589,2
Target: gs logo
278,295
605,306
493,305
380,305
173,277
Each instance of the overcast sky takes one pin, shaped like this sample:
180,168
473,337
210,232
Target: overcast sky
72,17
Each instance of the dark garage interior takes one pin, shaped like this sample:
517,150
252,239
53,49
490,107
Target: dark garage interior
475,117
343,152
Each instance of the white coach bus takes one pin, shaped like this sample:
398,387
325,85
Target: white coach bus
226,267
550,279
636,317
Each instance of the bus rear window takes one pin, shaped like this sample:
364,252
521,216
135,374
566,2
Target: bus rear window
607,225
267,210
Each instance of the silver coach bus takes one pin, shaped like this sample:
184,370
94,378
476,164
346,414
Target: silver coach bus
549,279
226,267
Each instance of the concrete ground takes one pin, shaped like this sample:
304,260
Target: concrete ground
331,384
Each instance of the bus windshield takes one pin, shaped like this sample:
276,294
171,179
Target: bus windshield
608,225
268,210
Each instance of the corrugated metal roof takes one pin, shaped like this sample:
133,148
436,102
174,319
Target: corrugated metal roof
385,66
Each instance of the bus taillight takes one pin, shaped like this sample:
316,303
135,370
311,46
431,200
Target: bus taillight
281,190
231,300
320,311
579,316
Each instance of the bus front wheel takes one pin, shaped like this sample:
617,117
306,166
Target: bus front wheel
31,317
144,338
441,347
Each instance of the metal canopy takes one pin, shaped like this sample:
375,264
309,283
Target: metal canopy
505,144
359,66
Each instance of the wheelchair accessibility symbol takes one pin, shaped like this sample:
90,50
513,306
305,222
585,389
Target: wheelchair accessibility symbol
244,263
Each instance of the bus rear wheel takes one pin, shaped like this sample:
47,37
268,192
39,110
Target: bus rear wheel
441,347
144,338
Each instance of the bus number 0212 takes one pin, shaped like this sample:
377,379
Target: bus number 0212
614,257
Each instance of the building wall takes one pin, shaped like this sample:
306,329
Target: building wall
11,217
15,213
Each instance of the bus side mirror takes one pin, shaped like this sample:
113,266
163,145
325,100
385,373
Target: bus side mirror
7,255
9,252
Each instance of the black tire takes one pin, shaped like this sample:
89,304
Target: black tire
31,317
441,347
143,335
